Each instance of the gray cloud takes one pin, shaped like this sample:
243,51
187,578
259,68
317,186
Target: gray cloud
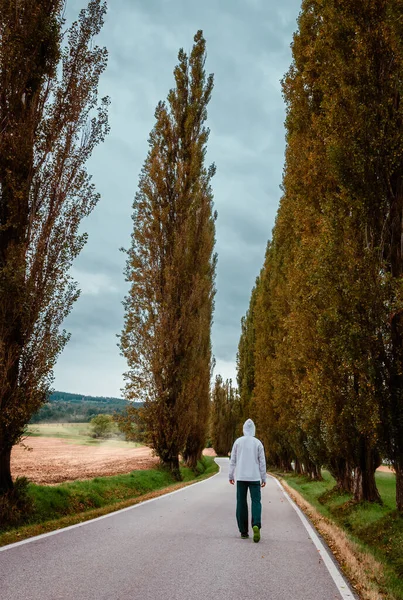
248,44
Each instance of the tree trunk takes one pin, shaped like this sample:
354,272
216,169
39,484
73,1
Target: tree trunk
172,464
347,480
191,462
364,475
316,473
399,488
6,482
341,470
286,465
312,470
365,487
394,427
191,459
298,467
193,451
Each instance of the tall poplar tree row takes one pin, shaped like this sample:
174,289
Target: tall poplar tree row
363,127
51,121
329,342
171,269
348,69
324,277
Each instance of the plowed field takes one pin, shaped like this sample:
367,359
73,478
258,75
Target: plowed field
52,460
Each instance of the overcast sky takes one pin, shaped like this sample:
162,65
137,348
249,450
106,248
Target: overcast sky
248,50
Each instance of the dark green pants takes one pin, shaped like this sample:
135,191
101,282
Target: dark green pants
242,504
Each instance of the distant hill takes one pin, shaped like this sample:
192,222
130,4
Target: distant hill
76,408
67,397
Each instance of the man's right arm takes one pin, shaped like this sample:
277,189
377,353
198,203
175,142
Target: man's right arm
232,463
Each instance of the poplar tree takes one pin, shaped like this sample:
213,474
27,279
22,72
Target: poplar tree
171,270
225,416
246,358
199,413
273,394
50,122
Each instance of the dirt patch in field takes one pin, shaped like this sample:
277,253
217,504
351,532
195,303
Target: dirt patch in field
385,469
209,452
53,460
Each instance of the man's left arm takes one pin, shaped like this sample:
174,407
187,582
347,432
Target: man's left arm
232,464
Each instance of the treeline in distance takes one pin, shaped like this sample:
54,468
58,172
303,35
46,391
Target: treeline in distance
64,407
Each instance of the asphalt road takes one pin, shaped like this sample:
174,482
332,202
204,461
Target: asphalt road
182,546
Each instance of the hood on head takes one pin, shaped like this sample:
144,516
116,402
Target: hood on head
249,427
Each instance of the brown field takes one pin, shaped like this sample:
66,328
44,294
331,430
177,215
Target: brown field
52,460
209,452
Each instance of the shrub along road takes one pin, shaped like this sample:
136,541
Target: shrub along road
179,546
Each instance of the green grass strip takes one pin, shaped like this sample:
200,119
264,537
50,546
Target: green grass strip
378,530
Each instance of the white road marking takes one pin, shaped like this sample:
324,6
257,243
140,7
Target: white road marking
111,514
337,577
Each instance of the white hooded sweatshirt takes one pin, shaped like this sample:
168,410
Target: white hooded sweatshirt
247,456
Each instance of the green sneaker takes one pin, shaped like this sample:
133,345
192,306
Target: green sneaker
244,536
256,533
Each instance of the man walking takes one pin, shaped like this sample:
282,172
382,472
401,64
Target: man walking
247,457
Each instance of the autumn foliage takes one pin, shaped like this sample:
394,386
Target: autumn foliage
325,324
225,416
50,122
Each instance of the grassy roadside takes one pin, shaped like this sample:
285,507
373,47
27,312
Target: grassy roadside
367,539
59,506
